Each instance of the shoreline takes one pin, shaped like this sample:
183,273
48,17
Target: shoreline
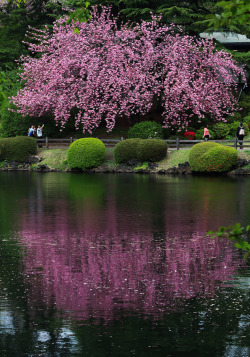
181,169
175,163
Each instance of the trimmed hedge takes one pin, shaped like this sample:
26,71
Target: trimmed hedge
140,149
85,153
146,130
18,148
151,150
212,157
126,150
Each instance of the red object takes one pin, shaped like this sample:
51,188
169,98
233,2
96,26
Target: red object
190,135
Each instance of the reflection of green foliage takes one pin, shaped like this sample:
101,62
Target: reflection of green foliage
235,233
86,188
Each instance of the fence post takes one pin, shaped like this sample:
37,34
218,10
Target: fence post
177,143
235,143
71,140
47,142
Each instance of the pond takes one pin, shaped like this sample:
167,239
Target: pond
120,265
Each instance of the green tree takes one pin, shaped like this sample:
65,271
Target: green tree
190,14
233,15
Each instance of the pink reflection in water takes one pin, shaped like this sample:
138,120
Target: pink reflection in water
101,274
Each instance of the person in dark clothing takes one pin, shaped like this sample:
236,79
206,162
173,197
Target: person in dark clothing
240,133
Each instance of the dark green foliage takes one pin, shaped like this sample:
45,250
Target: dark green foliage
151,150
146,130
14,124
85,153
14,22
191,14
199,134
13,25
126,150
246,121
232,118
244,103
220,130
17,149
212,157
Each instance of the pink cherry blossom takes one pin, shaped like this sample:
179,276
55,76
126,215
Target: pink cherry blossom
107,71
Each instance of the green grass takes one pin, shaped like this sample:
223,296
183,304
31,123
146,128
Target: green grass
57,159
174,158
143,166
54,158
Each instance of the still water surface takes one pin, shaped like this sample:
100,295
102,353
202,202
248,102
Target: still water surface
119,265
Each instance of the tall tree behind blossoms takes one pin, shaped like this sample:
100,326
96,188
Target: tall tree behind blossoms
104,72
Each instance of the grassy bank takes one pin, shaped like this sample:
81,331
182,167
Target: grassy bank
57,159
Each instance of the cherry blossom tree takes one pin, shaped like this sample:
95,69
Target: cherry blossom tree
104,71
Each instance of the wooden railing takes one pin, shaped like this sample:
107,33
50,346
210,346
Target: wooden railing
174,144
178,143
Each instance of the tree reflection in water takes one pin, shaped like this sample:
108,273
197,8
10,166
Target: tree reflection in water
101,275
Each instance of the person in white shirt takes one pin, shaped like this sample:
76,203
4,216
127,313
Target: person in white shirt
39,131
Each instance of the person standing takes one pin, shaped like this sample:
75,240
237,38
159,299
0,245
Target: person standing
39,131
206,134
32,131
240,133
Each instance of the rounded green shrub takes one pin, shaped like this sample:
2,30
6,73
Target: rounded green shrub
85,153
146,130
212,157
151,150
220,159
126,150
18,148
220,130
196,153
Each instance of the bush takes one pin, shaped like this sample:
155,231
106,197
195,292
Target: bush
236,117
199,134
220,159
18,148
126,150
151,150
233,128
189,135
244,103
246,121
220,130
212,157
85,153
146,130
